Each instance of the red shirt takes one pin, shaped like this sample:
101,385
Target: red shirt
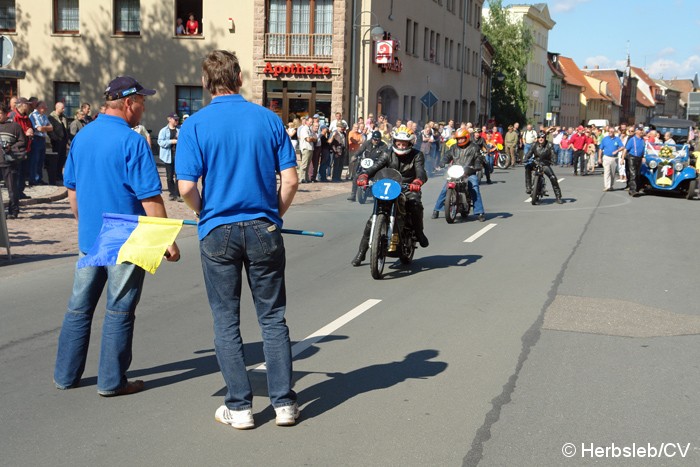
192,27
25,123
578,141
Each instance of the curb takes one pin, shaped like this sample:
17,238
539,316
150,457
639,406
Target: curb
47,199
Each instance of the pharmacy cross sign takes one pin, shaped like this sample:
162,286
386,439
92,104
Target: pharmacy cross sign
429,99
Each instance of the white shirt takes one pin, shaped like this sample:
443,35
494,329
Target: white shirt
302,133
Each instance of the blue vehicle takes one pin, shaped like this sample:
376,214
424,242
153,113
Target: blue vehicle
669,169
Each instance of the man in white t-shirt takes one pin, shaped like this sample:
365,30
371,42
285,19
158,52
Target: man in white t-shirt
307,143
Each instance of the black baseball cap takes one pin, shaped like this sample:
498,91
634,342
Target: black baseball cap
124,86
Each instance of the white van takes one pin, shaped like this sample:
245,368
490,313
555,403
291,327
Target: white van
600,123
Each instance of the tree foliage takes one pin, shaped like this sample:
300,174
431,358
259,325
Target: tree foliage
512,43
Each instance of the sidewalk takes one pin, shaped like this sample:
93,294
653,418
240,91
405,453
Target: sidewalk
46,228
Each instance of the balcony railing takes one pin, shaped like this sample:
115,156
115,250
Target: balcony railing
298,46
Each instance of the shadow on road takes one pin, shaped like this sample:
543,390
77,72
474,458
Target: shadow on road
341,387
427,263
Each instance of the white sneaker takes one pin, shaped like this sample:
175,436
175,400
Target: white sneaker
239,419
287,415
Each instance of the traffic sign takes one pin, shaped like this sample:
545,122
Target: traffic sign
429,99
694,103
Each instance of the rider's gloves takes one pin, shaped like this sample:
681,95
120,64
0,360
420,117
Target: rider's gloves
362,180
415,185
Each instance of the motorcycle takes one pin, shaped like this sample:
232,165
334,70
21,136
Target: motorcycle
669,169
538,183
457,197
392,233
363,192
501,158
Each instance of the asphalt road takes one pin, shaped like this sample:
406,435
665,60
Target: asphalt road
572,323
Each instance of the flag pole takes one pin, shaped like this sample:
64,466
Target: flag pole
309,233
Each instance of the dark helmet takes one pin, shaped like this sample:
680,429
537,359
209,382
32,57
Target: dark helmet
541,134
376,134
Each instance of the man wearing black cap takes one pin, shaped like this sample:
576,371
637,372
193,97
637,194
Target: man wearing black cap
371,149
110,169
13,152
167,140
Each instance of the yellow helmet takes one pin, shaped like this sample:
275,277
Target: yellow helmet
403,133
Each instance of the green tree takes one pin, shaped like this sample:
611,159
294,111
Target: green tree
512,44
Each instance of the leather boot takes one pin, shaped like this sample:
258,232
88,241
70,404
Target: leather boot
361,253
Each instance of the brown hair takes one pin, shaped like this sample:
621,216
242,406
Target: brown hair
221,72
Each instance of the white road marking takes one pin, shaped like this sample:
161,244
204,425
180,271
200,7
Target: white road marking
328,329
561,179
528,200
480,233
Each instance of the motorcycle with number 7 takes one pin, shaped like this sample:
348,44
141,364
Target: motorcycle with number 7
392,234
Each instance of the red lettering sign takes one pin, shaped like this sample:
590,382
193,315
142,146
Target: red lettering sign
296,69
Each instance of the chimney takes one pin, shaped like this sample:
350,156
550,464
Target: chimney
597,67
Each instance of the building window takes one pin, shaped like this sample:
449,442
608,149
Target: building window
184,9
299,29
409,36
69,94
459,56
8,16
66,17
426,44
189,99
127,17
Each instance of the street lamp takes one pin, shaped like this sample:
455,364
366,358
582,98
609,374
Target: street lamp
377,33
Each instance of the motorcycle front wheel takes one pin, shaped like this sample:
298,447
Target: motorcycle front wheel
503,161
536,190
362,195
450,205
378,246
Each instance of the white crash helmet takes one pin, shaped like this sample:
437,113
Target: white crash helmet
402,133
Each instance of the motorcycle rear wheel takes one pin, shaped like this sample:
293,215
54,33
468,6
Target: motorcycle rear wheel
408,247
378,246
450,205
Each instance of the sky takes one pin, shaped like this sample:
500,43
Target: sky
661,36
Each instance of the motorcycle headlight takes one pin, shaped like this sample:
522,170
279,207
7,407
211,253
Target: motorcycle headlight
678,166
455,171
653,164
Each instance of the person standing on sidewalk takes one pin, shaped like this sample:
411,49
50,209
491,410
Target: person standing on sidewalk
579,142
240,214
59,143
167,140
42,127
109,169
14,151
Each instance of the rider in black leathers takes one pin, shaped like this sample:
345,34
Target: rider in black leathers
371,148
410,163
543,152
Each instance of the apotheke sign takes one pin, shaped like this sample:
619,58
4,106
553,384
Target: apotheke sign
296,69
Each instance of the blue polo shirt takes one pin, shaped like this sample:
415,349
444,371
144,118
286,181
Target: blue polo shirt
111,168
238,148
635,146
610,144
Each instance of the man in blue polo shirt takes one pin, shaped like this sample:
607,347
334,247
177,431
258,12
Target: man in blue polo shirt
635,149
110,168
610,145
240,218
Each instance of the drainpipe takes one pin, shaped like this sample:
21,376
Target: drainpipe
461,73
353,65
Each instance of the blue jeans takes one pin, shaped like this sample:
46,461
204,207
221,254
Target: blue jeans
258,246
526,149
559,153
474,193
36,160
124,284
568,156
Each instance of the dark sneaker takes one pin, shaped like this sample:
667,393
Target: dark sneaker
528,191
351,198
481,218
132,387
435,215
559,201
